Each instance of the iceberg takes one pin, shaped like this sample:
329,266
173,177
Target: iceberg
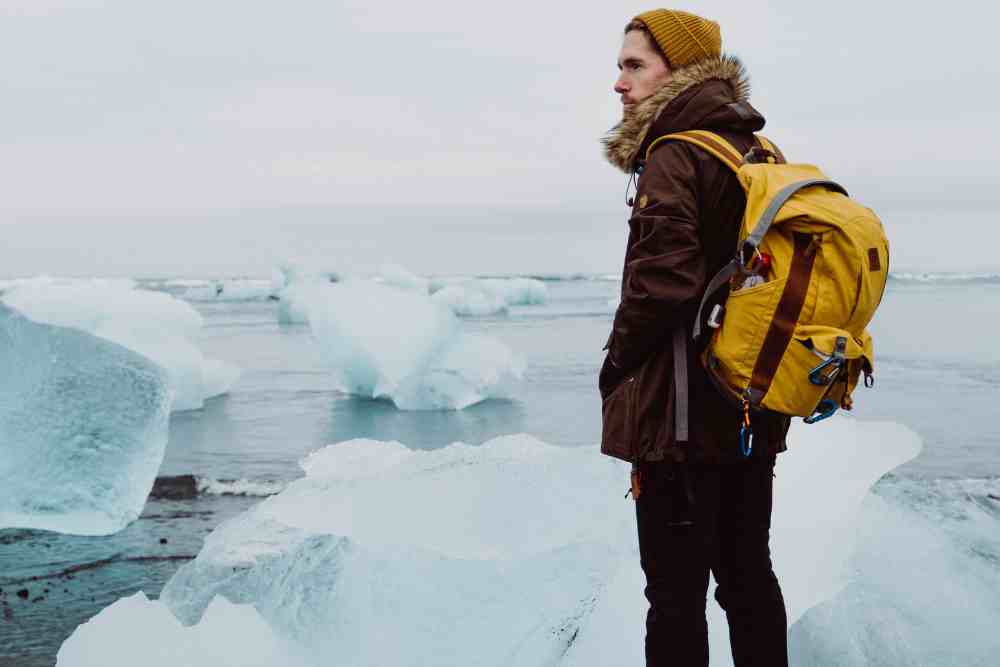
83,428
395,275
478,297
154,324
516,291
383,342
470,302
293,284
514,552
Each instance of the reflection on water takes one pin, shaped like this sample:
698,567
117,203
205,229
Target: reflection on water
353,417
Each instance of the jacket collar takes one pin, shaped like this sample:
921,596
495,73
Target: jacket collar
623,142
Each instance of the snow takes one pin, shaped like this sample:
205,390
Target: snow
154,324
514,552
83,428
384,342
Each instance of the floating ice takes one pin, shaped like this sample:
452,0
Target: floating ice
289,273
83,428
294,284
53,281
516,291
513,553
395,275
489,296
230,290
153,324
383,342
467,301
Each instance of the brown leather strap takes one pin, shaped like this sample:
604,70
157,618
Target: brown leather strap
681,400
707,141
779,335
769,145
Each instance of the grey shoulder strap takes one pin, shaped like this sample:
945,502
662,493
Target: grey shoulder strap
681,398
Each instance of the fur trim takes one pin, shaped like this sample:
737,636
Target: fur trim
622,142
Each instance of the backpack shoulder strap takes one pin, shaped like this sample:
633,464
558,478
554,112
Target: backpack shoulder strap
719,147
707,141
768,145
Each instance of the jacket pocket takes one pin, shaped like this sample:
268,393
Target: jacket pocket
618,432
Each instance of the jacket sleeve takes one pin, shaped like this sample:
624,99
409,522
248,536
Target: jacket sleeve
665,267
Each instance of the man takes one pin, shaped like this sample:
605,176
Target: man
701,505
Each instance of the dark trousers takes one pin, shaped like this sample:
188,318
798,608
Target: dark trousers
697,518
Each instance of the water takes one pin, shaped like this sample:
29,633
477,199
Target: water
936,372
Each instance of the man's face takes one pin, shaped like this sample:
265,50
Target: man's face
643,70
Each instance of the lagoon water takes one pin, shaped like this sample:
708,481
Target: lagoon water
936,372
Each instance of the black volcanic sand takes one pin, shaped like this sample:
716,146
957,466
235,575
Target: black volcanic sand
51,583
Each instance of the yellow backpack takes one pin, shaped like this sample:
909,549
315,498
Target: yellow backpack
809,271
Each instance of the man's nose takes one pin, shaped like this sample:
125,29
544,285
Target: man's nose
620,85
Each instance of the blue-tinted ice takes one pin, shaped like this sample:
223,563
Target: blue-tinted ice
83,428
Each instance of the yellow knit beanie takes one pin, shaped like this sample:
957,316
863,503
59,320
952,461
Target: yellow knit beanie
684,38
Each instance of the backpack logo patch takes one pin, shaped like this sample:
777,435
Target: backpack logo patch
874,263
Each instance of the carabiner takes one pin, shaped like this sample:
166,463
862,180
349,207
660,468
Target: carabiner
746,441
824,374
825,409
746,431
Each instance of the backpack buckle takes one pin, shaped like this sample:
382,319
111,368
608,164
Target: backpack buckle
759,155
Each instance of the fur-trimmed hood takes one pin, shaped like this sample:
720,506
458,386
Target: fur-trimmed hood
622,144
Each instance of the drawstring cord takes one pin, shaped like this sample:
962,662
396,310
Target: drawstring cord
633,182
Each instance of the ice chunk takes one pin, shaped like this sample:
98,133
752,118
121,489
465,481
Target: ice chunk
490,296
289,273
137,631
53,281
153,324
516,291
508,542
926,588
395,275
383,342
230,290
512,553
467,301
83,428
293,284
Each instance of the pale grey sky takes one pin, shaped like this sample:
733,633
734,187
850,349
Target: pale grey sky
155,113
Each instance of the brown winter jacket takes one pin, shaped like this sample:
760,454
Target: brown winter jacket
683,229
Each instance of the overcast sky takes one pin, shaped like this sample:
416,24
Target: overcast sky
161,113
